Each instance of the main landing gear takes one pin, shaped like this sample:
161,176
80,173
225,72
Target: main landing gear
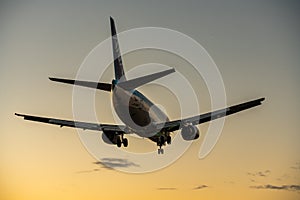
121,140
162,141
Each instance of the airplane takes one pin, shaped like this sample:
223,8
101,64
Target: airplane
133,108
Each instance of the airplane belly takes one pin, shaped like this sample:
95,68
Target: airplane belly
136,111
139,116
130,109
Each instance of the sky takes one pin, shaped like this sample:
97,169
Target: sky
256,47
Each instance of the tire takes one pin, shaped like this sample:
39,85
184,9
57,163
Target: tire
119,142
125,142
169,139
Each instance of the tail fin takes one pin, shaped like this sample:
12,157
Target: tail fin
118,65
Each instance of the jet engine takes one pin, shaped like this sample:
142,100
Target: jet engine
190,132
109,137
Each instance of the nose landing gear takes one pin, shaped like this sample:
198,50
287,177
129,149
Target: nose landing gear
162,141
160,151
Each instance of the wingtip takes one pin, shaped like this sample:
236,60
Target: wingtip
53,79
17,114
260,100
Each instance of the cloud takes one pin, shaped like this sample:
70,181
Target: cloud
200,187
166,188
260,173
87,171
172,188
296,166
274,187
116,162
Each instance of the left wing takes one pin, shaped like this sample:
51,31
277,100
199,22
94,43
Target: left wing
118,129
199,119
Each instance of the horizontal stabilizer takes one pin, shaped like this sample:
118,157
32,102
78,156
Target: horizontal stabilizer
137,82
89,84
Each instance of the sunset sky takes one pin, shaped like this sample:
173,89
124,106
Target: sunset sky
255,45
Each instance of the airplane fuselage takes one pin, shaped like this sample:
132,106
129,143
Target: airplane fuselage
138,113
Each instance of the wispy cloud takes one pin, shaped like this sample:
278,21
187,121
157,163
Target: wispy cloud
87,171
259,173
200,187
296,166
274,187
116,162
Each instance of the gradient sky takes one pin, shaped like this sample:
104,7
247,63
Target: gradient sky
256,46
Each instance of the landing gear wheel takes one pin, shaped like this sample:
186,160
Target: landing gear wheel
169,139
125,142
160,151
119,142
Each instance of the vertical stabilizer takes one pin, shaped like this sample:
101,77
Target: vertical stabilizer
118,65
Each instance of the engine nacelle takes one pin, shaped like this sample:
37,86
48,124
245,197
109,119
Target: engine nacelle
109,137
190,132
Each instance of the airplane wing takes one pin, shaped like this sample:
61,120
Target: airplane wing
118,129
167,126
199,119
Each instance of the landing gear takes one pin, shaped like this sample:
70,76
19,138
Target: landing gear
169,139
121,140
160,151
162,141
125,142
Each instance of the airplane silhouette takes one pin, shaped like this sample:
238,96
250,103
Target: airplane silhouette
139,115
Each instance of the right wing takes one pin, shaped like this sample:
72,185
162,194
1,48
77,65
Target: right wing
118,129
199,119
